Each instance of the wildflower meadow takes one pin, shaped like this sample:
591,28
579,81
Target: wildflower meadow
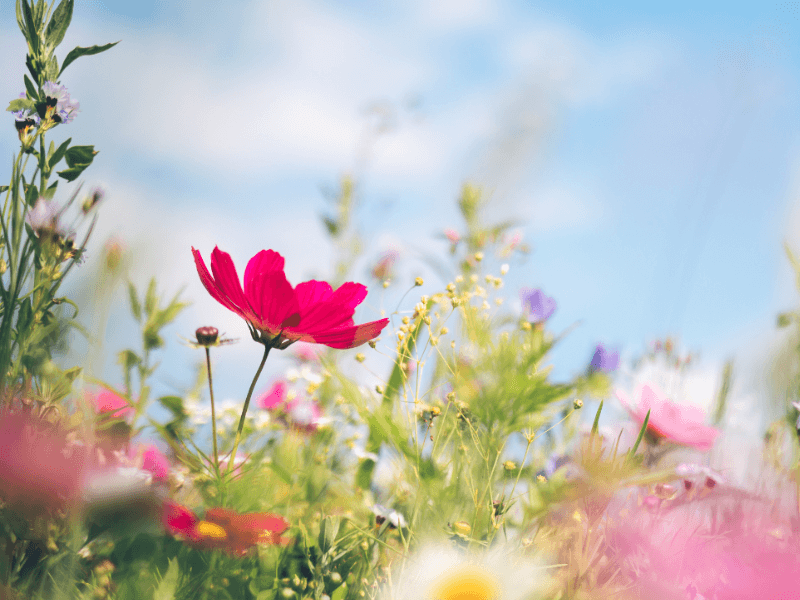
415,449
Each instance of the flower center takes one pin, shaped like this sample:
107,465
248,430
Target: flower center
211,530
467,584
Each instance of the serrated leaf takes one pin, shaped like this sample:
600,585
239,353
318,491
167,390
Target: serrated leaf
79,51
133,296
21,104
80,155
30,88
59,23
59,153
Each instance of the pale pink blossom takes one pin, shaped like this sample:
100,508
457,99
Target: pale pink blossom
680,424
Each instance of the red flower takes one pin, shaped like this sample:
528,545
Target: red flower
224,529
280,314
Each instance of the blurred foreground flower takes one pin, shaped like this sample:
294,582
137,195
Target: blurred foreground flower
302,414
224,529
604,360
39,470
536,306
279,314
740,553
442,572
669,421
109,404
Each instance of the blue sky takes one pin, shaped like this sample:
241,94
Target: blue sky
649,150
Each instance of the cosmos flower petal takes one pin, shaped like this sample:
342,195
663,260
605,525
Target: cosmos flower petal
274,301
351,337
212,288
227,279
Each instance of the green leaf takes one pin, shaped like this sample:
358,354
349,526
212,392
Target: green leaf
128,359
597,419
167,586
21,103
30,31
641,435
340,593
51,70
3,188
59,22
73,173
31,194
51,191
80,156
77,52
328,530
150,299
56,157
30,88
174,404
136,308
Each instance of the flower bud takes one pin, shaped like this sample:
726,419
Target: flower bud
207,336
418,281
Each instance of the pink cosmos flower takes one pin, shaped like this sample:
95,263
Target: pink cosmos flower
279,314
674,422
109,404
274,397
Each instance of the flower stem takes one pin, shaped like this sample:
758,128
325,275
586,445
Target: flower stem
267,348
213,412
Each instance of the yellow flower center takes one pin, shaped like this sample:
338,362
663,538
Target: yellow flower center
211,530
467,583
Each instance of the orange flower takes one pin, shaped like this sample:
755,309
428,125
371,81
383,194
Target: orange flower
224,529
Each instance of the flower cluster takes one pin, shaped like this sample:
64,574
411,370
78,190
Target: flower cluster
57,104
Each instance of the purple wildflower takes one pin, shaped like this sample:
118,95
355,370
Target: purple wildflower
57,105
25,121
604,360
536,305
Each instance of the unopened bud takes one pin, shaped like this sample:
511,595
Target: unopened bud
578,403
418,281
541,479
207,336
509,465
462,527
479,256
360,357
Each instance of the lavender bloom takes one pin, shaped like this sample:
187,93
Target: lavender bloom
536,305
43,218
604,360
25,119
57,104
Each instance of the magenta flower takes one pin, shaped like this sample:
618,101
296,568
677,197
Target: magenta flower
302,414
279,314
274,397
109,404
673,422
155,462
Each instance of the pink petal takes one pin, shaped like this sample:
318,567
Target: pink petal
214,289
227,281
109,403
263,262
350,337
274,397
274,301
155,462
351,294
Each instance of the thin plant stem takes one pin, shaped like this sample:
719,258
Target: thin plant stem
267,348
213,412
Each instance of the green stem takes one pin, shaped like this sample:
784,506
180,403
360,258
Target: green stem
267,348
213,412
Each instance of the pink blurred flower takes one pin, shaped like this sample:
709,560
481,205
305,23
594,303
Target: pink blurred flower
155,462
676,423
384,267
109,404
274,397
452,235
300,413
737,554
278,313
39,470
306,353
